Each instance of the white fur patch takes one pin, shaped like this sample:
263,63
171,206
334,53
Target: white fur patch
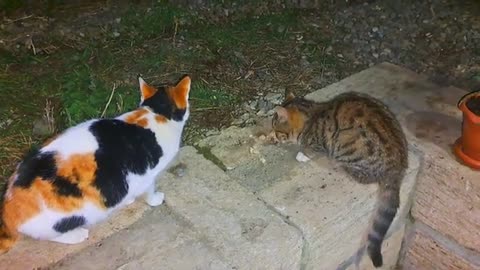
75,140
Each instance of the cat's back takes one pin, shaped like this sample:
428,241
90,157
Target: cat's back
366,123
366,112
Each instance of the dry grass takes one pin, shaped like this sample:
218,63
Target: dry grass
12,149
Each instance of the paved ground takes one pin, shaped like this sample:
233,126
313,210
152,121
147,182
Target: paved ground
241,203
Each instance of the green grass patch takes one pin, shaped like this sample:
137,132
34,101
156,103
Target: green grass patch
245,32
160,20
204,96
86,96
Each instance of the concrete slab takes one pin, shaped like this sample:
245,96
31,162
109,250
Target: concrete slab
208,222
32,254
331,210
161,240
266,210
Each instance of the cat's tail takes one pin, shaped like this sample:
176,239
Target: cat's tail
7,238
388,202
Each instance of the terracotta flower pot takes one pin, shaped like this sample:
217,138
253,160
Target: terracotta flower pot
467,147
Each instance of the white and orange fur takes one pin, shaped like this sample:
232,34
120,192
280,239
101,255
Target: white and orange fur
73,198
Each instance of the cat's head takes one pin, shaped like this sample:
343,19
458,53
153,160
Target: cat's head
289,119
169,101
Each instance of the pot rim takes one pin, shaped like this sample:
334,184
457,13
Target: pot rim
462,106
467,96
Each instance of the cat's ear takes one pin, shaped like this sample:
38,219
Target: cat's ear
289,96
146,89
181,92
282,113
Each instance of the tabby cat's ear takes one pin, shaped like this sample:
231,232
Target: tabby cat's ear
146,90
181,91
289,96
282,113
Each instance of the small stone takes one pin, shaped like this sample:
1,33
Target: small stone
118,20
81,34
301,157
274,98
41,127
116,34
375,55
261,113
245,116
375,29
253,105
178,170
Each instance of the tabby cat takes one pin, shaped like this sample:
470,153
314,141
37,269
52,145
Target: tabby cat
94,168
364,137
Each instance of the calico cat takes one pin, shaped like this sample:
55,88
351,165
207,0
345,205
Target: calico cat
364,137
94,168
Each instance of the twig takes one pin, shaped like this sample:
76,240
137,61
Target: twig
175,31
19,19
109,100
205,109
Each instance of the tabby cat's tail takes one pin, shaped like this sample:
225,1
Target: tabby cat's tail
385,211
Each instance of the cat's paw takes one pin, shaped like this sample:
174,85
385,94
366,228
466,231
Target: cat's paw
155,199
128,202
75,236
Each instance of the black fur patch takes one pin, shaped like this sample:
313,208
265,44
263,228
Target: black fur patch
66,188
374,239
160,103
123,148
34,165
67,224
375,255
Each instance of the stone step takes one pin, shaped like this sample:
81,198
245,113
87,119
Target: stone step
331,210
208,222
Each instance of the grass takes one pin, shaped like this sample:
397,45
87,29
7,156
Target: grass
161,43
204,96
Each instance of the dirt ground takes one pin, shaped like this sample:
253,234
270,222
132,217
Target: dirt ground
60,63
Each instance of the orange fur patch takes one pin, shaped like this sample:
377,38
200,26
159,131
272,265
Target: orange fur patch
22,204
296,119
179,92
160,118
80,169
52,199
147,90
7,239
19,206
137,117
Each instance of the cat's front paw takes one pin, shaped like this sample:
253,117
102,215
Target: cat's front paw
74,236
155,199
129,201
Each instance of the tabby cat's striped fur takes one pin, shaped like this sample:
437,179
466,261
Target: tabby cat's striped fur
364,136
